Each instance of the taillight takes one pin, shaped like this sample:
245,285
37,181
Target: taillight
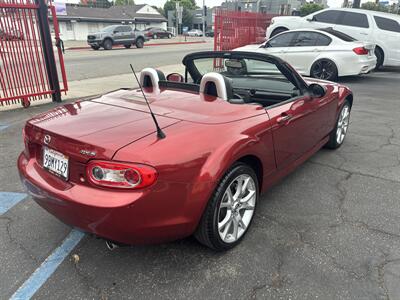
360,51
120,175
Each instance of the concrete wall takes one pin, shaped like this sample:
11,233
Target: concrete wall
73,30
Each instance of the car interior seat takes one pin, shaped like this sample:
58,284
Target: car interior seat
150,77
215,84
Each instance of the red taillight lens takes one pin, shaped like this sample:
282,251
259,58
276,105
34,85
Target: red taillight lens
360,51
120,175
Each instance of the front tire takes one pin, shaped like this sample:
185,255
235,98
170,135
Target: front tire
230,210
278,31
169,36
127,46
324,69
107,44
338,134
95,47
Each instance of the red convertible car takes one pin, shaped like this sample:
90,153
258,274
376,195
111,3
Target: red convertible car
230,127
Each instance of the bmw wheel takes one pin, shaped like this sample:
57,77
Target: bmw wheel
230,210
324,69
338,134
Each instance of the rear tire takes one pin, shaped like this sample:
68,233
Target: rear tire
379,58
324,69
107,44
139,43
338,134
127,46
230,210
169,36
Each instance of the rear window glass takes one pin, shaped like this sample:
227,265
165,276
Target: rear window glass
306,38
329,16
387,24
339,34
355,20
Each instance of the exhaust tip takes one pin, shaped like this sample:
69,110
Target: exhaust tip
111,246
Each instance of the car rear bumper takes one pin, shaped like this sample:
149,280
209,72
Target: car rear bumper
363,65
154,215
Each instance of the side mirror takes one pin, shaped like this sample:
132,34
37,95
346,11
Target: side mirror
175,77
316,90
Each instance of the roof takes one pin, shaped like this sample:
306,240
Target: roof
114,13
366,11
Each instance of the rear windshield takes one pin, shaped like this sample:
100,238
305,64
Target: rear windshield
339,34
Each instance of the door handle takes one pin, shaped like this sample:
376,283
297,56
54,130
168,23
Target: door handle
284,117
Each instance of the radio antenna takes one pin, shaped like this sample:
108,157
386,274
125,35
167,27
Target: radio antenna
160,133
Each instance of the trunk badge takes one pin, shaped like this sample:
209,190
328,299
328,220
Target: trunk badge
87,152
47,139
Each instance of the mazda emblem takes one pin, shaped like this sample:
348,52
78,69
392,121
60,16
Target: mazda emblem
47,139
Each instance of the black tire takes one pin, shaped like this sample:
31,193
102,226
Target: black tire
333,142
95,47
169,36
379,58
278,31
324,69
155,36
207,231
107,44
127,46
139,43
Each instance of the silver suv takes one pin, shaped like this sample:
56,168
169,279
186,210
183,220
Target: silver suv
116,35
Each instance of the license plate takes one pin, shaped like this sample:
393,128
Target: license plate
55,162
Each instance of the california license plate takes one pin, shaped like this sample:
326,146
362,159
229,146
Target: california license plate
55,162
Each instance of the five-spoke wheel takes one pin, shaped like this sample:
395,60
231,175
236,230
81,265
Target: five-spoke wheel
230,210
338,134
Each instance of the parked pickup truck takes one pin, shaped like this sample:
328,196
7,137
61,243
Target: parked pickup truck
116,35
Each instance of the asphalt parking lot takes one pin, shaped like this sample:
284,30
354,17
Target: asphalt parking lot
331,230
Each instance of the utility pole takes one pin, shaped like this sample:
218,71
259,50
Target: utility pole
356,3
204,18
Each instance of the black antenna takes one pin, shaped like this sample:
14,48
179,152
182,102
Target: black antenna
160,133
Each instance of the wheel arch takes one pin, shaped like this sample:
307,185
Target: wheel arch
108,38
280,28
256,164
325,58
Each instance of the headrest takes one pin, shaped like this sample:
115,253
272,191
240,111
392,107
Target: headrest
215,84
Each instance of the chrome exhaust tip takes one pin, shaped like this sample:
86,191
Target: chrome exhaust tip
111,246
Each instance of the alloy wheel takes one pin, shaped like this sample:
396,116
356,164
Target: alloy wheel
236,208
324,69
343,124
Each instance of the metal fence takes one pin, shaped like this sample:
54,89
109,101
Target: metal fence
234,29
28,67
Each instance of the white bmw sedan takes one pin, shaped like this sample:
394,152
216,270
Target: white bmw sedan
323,53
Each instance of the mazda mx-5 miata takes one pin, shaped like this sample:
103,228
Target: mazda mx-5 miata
230,127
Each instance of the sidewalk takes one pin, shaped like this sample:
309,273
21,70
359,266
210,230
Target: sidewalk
80,45
95,86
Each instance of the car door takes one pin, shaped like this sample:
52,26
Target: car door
388,35
293,124
118,35
278,45
357,25
127,34
305,48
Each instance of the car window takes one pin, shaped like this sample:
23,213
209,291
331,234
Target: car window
339,34
308,38
387,24
282,40
329,16
119,29
126,28
354,20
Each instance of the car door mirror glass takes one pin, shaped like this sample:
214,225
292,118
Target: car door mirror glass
316,90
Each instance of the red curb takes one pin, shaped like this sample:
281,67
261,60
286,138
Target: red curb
145,45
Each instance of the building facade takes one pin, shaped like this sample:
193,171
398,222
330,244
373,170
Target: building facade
282,7
79,21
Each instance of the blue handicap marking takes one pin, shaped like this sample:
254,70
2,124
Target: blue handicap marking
8,200
48,267
3,126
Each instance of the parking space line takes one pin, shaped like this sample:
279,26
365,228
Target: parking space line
48,267
8,200
3,126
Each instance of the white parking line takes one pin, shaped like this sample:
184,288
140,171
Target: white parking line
48,267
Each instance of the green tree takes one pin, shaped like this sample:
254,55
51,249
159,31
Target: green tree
187,16
124,2
374,6
96,3
309,8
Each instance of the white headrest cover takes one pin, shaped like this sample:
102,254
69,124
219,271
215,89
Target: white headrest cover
219,82
152,73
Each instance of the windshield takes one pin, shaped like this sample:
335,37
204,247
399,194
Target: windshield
108,28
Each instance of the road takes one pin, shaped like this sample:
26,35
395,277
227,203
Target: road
84,64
